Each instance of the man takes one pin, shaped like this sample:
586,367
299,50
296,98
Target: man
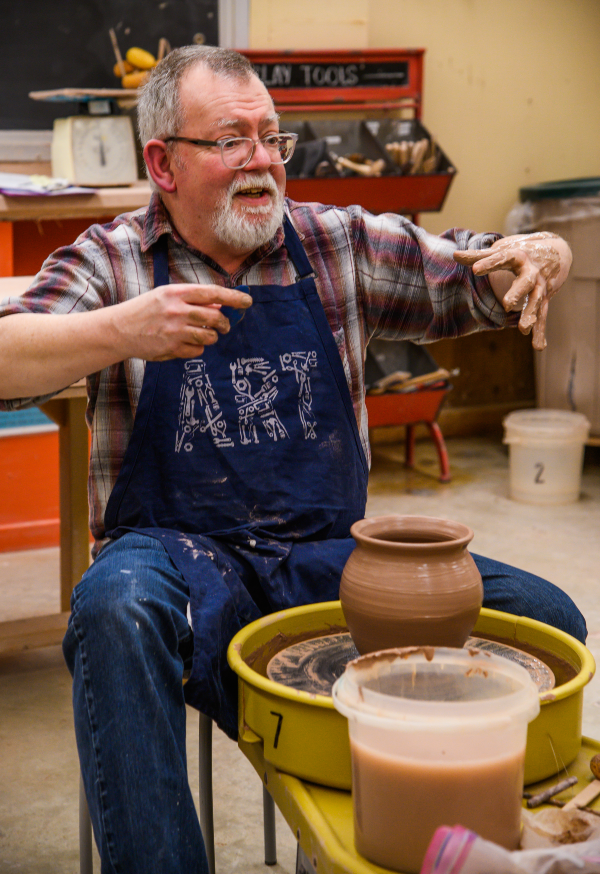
232,325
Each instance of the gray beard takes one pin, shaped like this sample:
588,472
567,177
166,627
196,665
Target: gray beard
242,233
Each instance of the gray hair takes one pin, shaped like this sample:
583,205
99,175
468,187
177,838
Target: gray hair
159,109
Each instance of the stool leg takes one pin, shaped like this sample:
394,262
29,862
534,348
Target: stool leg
409,446
440,445
269,828
86,863
206,793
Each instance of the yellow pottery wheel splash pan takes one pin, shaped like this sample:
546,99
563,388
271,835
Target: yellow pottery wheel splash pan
303,735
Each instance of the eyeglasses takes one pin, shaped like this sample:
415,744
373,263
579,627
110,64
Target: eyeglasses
236,152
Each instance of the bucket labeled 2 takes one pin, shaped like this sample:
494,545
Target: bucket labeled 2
546,450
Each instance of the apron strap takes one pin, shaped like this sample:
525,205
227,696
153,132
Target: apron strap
296,250
160,260
306,278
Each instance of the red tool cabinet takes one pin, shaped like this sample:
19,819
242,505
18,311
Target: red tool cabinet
337,93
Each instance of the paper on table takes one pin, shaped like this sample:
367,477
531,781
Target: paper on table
22,185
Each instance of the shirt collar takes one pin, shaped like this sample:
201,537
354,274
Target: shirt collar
157,222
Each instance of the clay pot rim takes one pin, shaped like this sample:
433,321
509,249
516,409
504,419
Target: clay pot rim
460,534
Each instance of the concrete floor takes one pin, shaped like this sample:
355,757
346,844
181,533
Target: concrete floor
38,760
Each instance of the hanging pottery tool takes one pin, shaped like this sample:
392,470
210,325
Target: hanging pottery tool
360,165
415,156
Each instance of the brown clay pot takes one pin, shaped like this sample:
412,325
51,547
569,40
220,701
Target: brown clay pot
410,582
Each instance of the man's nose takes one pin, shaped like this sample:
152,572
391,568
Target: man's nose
261,158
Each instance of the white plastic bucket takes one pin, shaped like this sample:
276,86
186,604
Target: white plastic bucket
437,736
545,455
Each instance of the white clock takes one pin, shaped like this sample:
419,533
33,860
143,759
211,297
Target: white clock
94,151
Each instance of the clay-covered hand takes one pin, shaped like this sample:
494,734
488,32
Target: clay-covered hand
540,262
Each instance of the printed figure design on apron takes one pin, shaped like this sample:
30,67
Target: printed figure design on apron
199,409
246,464
300,363
255,383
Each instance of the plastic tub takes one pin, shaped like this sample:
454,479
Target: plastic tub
546,455
437,737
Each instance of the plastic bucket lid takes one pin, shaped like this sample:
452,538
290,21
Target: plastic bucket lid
435,689
545,426
562,189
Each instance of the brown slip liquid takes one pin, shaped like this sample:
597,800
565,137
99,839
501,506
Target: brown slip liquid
399,803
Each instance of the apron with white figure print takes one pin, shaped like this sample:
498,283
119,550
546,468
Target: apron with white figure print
246,463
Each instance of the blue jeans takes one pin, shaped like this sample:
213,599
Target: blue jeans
126,646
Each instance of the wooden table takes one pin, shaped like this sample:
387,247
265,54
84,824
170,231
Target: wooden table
67,410
33,227
30,229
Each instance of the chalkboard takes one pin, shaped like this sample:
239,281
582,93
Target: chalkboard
46,44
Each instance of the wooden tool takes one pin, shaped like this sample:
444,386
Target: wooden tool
549,793
591,791
117,51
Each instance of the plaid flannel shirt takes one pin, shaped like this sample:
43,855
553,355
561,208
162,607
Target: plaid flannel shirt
377,276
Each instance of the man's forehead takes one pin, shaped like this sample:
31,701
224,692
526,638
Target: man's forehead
223,101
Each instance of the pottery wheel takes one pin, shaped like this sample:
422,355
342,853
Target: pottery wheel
314,665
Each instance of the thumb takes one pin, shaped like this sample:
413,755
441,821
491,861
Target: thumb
470,256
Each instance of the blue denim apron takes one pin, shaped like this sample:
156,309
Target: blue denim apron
246,463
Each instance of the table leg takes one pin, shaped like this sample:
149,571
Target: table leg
6,249
69,414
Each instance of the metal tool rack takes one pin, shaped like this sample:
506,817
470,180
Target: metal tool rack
367,98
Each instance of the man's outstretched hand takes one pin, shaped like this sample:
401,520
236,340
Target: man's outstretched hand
540,262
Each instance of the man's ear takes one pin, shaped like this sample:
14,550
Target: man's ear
158,161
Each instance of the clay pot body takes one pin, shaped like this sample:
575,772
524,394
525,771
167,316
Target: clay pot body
410,582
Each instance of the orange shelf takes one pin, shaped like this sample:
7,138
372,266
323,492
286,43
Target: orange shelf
29,485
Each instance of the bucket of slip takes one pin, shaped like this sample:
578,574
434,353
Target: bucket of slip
437,737
546,450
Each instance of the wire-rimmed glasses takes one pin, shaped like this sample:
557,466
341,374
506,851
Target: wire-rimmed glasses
236,152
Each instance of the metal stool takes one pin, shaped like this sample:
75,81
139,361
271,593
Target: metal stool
86,865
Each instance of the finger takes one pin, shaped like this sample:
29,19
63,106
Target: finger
212,294
524,329
468,257
525,284
532,305
539,329
503,259
186,350
203,336
208,317
512,260
191,347
534,316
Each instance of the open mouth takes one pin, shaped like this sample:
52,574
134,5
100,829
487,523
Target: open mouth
254,193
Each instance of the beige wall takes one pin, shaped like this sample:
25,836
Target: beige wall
512,87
